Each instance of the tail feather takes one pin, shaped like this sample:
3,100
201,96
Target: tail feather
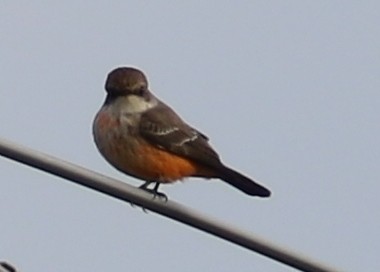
243,183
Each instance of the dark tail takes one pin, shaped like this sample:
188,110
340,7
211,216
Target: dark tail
243,183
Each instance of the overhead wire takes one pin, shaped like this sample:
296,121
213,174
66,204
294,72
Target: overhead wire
171,209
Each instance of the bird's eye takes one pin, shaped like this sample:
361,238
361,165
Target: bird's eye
141,91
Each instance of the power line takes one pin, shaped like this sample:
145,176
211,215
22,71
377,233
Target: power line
170,209
6,267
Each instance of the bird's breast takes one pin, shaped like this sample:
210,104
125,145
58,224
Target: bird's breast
120,144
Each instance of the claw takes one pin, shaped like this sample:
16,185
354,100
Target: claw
154,191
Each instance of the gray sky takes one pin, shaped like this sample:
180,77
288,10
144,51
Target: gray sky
288,92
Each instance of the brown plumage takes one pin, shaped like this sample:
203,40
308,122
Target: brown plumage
143,137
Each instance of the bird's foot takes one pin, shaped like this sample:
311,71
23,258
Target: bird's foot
154,191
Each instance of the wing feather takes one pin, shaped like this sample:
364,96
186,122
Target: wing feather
162,127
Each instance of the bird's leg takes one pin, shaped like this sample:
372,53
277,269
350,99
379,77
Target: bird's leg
153,191
145,185
145,188
159,194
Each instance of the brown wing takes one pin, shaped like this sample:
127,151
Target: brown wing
163,128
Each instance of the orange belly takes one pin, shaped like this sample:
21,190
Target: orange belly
160,165
147,162
134,156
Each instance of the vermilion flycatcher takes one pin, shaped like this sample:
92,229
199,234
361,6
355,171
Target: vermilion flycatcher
143,137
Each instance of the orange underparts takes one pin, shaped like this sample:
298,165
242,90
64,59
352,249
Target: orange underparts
159,165
139,158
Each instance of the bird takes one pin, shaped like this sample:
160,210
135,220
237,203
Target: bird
144,138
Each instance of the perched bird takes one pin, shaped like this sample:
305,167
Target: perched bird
143,137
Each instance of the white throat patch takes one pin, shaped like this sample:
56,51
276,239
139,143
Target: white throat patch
137,104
